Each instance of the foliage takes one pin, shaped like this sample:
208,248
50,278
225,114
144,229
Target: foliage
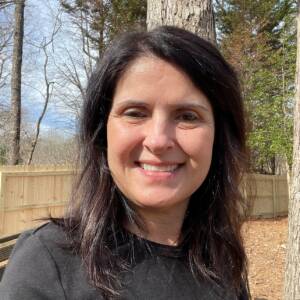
259,39
100,21
3,154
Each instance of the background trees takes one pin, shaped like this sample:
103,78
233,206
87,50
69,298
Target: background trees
56,70
259,39
98,22
95,23
292,274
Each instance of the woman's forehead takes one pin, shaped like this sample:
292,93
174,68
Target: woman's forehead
151,78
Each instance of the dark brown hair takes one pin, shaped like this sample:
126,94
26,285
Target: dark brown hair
211,229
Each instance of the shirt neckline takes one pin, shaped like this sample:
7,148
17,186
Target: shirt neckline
146,246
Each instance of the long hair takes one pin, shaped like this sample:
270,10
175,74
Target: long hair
211,229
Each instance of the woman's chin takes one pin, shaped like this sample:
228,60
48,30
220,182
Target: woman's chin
159,204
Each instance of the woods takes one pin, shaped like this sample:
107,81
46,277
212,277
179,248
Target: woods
292,275
259,38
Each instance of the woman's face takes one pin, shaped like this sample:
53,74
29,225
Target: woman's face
160,135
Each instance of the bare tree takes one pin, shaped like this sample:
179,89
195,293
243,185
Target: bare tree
55,148
292,272
193,15
5,56
96,23
5,3
16,82
48,85
46,98
5,38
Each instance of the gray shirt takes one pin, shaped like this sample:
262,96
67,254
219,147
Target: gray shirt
40,268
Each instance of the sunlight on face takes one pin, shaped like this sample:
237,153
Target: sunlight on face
160,135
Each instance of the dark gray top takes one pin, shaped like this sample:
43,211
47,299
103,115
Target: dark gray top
39,268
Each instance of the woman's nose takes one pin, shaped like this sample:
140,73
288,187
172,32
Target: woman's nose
159,137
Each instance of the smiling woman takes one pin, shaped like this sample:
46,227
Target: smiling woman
159,146
156,212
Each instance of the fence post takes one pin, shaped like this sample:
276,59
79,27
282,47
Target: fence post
274,196
2,185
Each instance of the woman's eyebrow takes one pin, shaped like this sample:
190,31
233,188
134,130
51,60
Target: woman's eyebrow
179,106
189,105
131,102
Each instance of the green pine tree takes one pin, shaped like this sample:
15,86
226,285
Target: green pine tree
259,39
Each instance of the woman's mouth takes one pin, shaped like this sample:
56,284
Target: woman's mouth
159,168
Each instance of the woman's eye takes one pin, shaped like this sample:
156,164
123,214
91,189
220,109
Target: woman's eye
188,117
134,113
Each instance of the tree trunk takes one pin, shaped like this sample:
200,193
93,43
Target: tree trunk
47,98
16,83
193,15
292,272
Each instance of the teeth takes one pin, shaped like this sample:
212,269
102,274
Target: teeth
153,168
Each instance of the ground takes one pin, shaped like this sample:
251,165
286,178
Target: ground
265,242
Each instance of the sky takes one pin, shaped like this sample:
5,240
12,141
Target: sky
40,16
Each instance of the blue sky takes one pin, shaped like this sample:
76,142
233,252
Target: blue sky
39,23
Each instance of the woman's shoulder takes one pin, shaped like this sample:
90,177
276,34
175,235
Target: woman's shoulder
47,232
43,240
42,266
32,265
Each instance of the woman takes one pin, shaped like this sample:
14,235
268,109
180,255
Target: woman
155,214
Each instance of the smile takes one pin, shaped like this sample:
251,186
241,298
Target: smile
161,168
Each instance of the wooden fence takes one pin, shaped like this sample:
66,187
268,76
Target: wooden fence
32,192
267,195
28,193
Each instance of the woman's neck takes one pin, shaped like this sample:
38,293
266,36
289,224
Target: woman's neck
163,227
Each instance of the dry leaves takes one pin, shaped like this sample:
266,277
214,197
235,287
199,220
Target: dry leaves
265,242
